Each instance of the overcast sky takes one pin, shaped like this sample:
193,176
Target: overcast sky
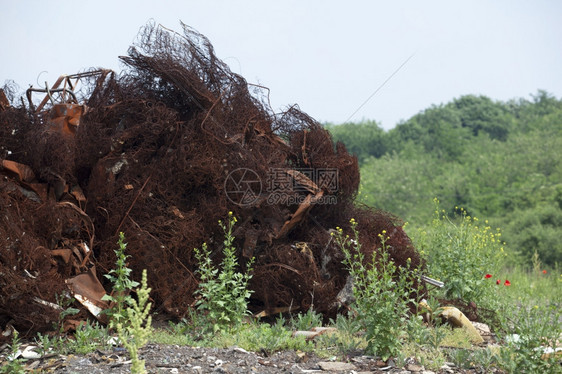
327,56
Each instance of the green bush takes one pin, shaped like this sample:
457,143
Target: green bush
537,230
465,255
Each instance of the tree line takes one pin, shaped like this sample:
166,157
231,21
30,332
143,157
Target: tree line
499,161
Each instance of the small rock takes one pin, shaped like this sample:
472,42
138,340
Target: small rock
29,352
301,356
410,360
482,328
239,350
307,334
336,366
174,371
114,341
427,372
324,330
79,361
415,368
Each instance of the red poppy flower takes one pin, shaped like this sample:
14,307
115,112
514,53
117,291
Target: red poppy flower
498,281
507,283
544,271
488,276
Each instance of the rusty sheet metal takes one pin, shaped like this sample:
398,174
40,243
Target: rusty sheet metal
63,253
87,289
303,180
65,118
23,172
4,103
299,214
275,311
304,207
26,178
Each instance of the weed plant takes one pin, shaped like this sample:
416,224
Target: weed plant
120,277
348,340
306,321
14,364
223,291
89,337
382,293
136,328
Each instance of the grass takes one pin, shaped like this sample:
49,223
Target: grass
535,283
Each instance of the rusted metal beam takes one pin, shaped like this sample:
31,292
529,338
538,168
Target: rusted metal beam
66,93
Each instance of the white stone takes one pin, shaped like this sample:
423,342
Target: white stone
240,350
336,366
29,352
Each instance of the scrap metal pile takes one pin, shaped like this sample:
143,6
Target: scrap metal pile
162,152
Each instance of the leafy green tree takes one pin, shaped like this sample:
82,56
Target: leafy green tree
537,229
479,113
362,139
439,129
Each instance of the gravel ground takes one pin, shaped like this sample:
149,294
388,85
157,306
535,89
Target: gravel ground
182,359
